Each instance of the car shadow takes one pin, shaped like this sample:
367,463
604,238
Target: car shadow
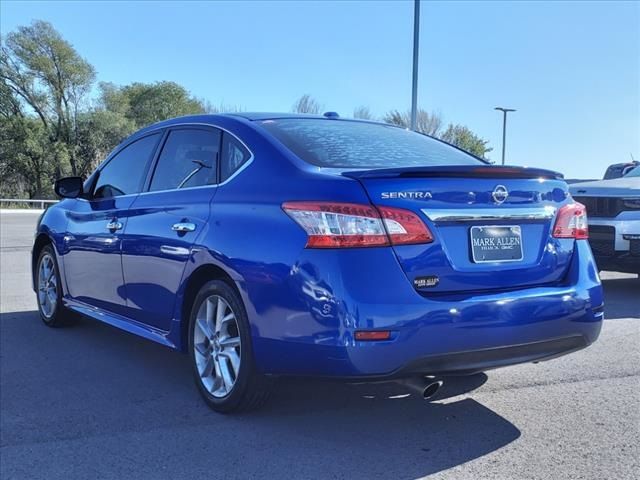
621,298
91,380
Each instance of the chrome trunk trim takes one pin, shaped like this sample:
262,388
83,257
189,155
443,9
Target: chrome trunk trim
489,214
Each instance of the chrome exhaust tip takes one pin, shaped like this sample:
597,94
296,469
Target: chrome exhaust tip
431,389
426,387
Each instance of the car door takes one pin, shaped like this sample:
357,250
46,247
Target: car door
93,240
165,221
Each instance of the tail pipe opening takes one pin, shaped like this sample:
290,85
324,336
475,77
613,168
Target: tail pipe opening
424,386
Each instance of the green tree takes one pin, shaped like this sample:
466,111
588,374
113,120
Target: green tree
147,103
46,73
9,103
47,129
27,158
99,131
431,124
463,138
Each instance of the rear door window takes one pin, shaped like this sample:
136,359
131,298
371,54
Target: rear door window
189,159
234,155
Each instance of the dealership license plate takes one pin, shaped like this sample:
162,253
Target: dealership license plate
496,243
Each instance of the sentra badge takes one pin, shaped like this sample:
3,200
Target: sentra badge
410,195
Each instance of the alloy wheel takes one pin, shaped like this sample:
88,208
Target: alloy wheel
216,345
47,286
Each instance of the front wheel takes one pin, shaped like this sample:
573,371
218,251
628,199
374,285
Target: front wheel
220,351
49,290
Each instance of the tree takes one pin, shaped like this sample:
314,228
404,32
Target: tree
27,157
99,132
427,123
9,103
146,103
431,124
362,112
46,73
463,138
306,104
47,128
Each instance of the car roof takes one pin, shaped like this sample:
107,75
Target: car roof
239,116
272,115
252,116
214,119
259,116
204,118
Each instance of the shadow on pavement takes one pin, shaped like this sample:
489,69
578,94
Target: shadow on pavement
621,298
91,384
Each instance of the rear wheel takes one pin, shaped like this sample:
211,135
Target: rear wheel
220,351
49,290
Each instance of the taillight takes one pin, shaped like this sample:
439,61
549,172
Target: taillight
343,225
404,227
336,225
571,222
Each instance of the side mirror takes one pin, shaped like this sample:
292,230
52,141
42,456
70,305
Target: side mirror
69,187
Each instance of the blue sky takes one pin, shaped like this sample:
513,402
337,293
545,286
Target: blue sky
572,69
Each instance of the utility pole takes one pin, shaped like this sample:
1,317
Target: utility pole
416,46
504,126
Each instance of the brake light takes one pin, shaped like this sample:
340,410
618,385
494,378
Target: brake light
404,227
571,222
345,225
337,225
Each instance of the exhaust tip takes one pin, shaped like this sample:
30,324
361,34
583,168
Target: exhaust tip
425,386
431,389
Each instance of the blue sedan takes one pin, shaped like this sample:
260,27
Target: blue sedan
275,244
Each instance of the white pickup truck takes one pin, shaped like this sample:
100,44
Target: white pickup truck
613,210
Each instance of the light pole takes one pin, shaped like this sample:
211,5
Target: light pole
416,38
504,126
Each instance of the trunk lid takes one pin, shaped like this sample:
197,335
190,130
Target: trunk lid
492,225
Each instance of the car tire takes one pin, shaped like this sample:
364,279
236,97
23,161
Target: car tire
49,290
220,351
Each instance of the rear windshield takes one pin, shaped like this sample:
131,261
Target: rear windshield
345,144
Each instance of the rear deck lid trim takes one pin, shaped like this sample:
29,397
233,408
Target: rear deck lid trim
489,214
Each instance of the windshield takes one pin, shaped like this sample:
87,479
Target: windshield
634,173
346,144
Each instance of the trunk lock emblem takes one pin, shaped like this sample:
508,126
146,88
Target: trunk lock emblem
500,194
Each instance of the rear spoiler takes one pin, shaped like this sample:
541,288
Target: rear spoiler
456,171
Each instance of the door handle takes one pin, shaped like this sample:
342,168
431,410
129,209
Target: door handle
114,225
183,227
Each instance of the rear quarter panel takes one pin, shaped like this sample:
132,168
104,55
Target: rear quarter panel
252,239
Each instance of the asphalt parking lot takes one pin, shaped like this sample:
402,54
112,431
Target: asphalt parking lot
90,401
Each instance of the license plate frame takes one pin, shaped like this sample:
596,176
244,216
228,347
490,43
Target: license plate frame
507,250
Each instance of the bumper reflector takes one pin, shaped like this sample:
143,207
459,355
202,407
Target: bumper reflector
364,335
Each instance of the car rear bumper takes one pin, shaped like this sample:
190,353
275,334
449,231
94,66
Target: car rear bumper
443,334
474,361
